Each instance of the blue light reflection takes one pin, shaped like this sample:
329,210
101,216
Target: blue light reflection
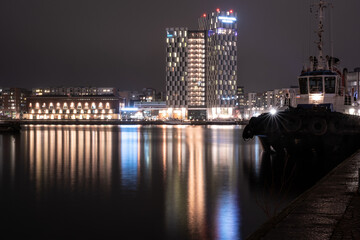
129,157
228,220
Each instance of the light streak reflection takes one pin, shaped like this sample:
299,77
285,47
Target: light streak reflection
69,157
195,170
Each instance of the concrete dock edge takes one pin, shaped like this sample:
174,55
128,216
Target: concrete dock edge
263,231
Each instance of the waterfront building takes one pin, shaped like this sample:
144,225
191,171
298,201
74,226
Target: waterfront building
268,99
129,97
353,83
176,72
149,95
146,95
74,91
257,103
240,94
13,102
201,68
285,97
196,75
251,100
154,110
221,62
73,107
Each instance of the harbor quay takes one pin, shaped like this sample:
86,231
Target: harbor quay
15,126
328,210
120,122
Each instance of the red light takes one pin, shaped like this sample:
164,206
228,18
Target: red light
231,11
218,9
204,15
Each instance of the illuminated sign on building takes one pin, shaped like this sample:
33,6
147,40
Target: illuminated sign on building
170,34
227,19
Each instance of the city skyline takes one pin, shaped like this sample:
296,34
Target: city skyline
82,43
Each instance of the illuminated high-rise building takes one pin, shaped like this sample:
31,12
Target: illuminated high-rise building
202,68
221,62
176,72
196,75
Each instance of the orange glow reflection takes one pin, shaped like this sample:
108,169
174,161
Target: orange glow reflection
196,188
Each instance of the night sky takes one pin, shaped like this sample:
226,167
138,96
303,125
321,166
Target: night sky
122,43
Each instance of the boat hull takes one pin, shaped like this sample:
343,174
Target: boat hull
299,129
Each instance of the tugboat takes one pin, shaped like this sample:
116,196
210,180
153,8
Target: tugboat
324,117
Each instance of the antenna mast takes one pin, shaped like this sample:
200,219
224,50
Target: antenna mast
320,44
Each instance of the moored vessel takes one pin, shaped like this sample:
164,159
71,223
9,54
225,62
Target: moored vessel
324,118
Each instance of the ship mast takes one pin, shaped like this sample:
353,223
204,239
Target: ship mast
320,44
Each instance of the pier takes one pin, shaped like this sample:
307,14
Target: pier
328,210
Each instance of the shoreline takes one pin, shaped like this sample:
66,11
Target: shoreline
119,122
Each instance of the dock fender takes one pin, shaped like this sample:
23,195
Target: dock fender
317,126
336,126
292,123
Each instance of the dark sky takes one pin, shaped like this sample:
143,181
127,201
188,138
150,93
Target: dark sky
122,43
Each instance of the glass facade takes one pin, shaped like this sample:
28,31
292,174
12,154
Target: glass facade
201,66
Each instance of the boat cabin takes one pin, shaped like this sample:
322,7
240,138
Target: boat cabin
321,87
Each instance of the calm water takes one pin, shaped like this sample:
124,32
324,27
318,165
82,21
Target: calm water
160,182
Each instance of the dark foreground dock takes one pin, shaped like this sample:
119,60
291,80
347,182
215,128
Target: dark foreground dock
328,210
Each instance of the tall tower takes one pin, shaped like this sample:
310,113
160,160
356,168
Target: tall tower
221,62
176,72
196,75
201,68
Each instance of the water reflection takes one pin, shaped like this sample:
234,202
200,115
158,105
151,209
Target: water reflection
130,157
189,182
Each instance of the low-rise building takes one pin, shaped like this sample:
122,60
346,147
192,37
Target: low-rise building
73,107
74,91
